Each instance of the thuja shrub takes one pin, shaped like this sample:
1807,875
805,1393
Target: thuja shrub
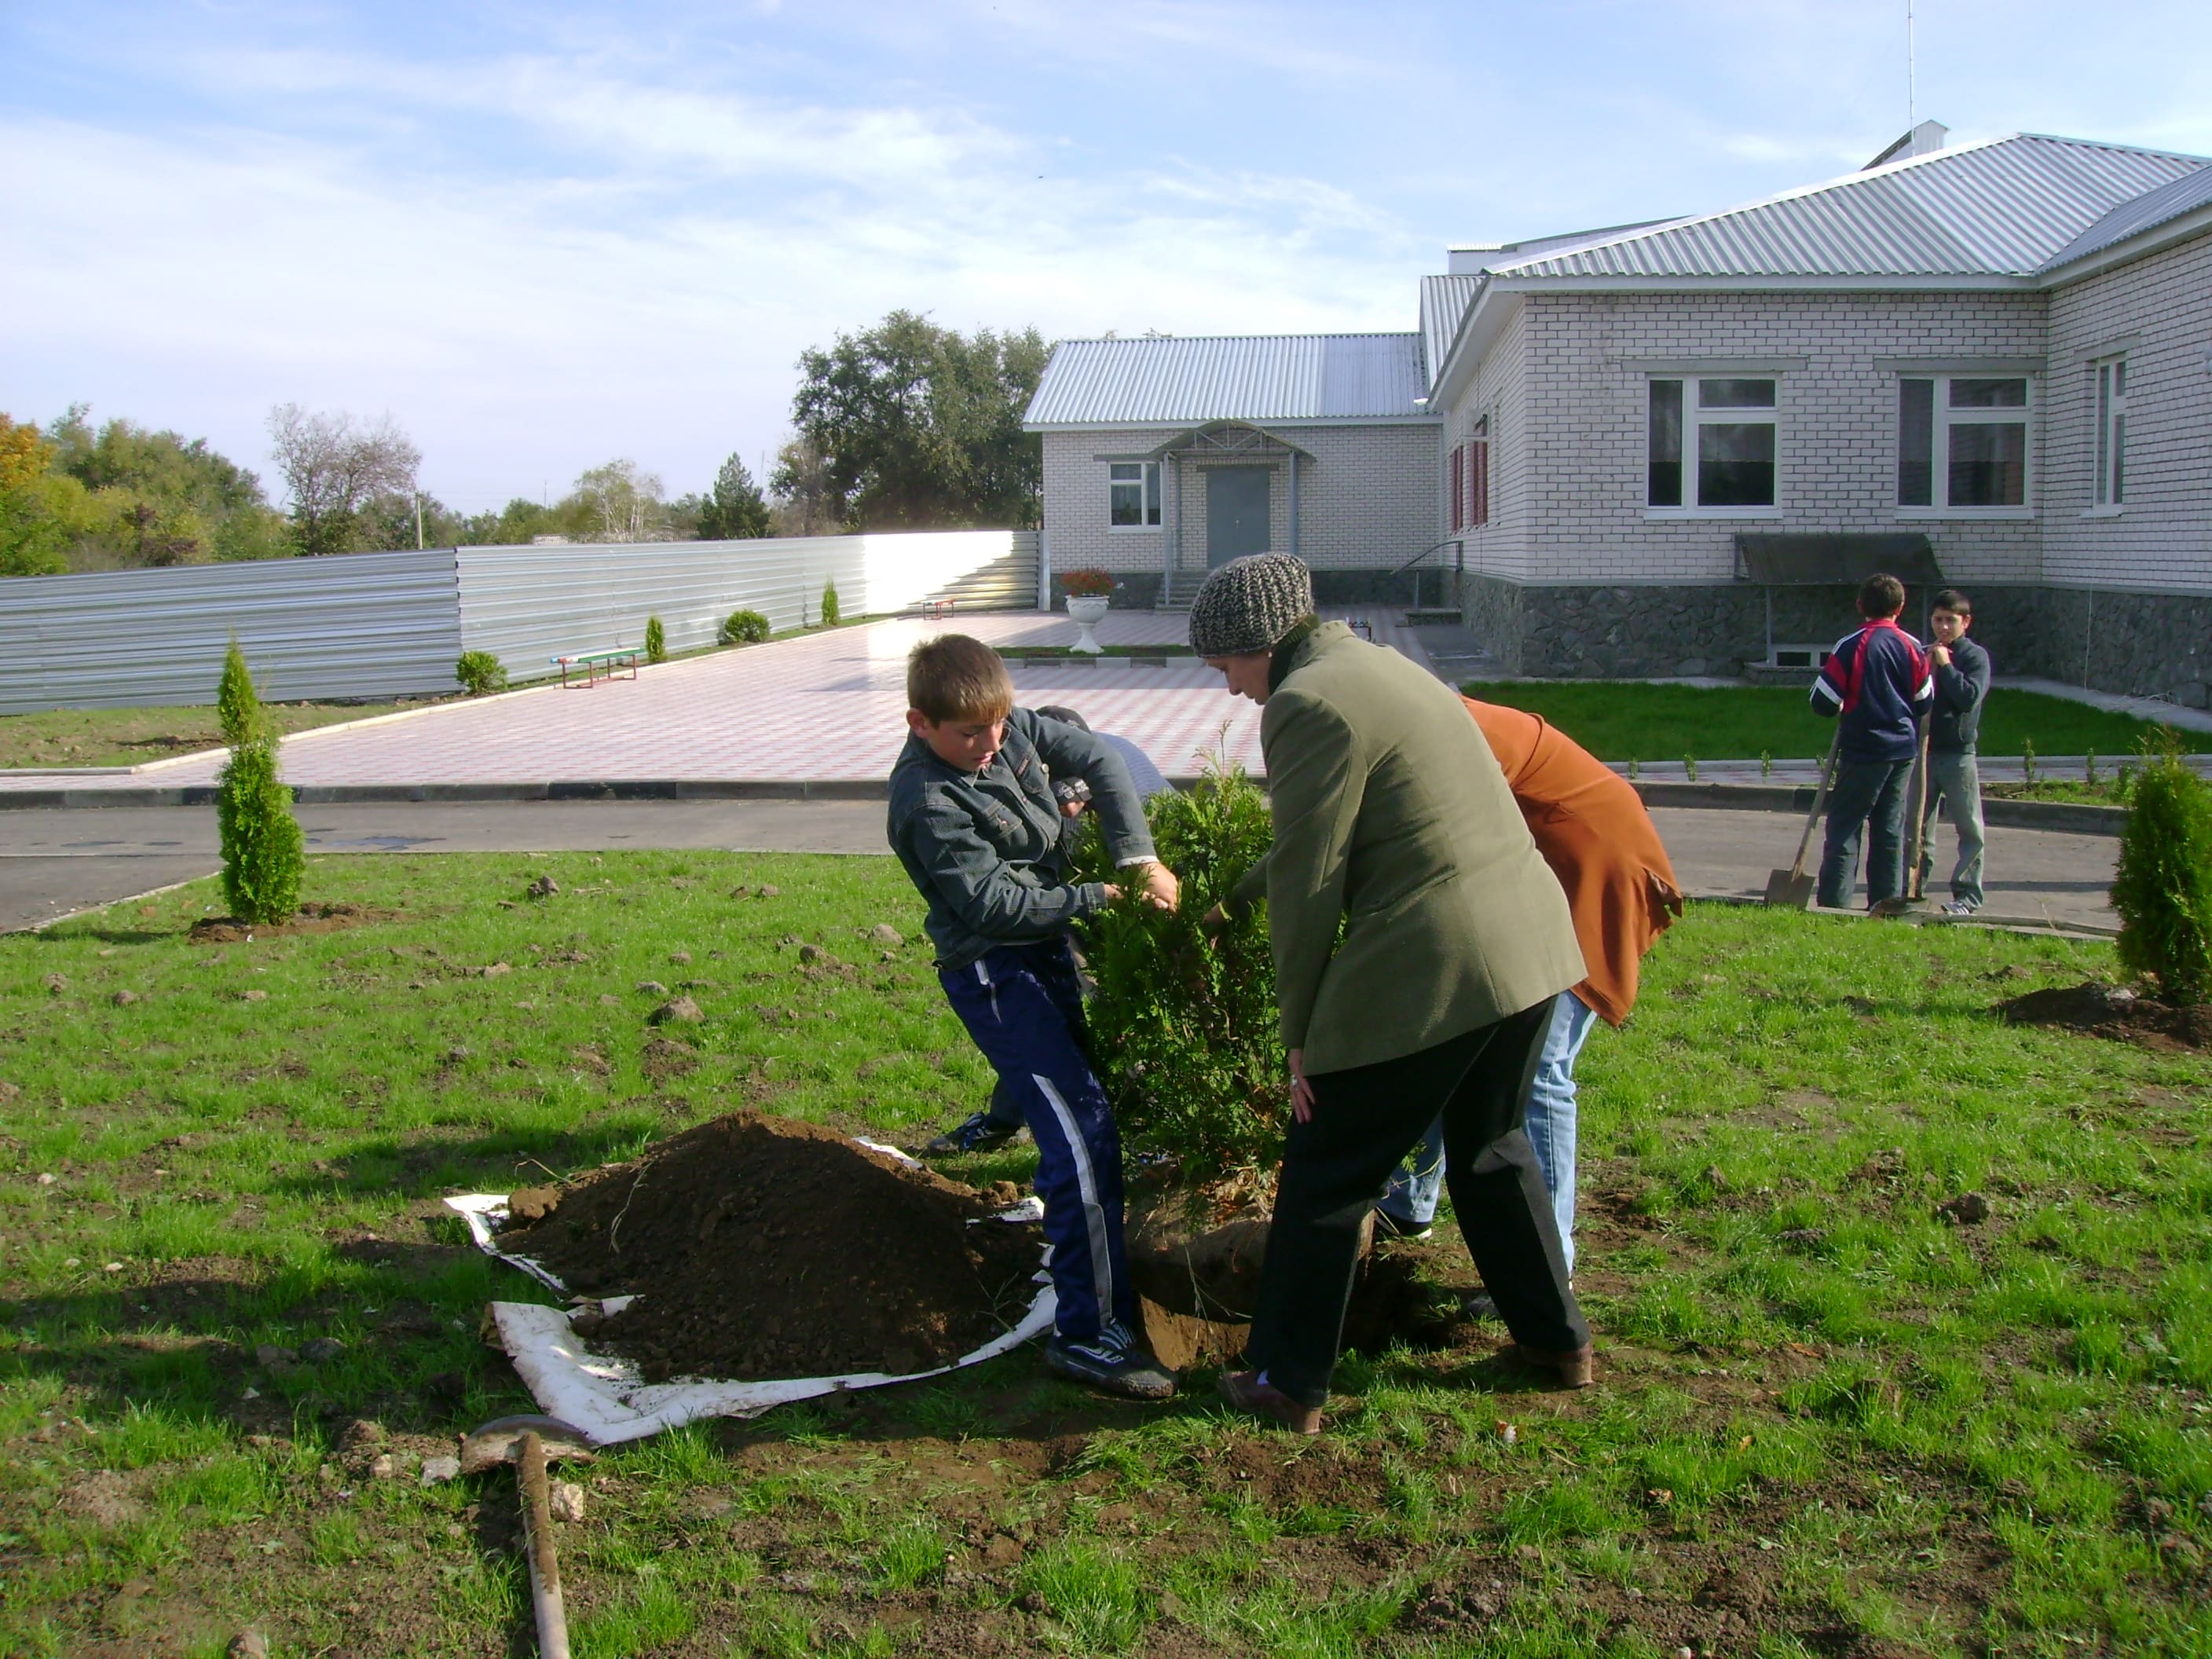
656,641
2163,889
264,852
1183,1022
830,617
744,627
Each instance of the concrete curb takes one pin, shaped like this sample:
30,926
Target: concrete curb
2070,817
2061,816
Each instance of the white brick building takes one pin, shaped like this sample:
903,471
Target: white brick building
2004,348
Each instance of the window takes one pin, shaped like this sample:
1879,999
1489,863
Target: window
1961,441
2112,443
1711,444
1132,495
1477,476
1459,488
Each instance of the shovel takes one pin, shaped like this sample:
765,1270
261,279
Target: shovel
529,1443
1792,888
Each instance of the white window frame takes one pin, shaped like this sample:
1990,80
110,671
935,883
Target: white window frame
2108,436
1148,505
1939,452
1696,416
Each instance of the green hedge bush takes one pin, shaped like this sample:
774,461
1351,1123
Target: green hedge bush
744,627
830,617
2163,889
1183,1024
656,641
480,673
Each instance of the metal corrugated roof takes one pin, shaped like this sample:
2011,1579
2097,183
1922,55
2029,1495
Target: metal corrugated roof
1445,301
1998,209
1257,377
2147,212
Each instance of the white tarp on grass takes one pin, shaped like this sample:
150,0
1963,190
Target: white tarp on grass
605,1397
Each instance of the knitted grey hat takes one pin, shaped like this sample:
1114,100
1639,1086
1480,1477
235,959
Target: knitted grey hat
1250,604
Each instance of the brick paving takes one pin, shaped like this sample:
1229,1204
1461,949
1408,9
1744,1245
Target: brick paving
825,708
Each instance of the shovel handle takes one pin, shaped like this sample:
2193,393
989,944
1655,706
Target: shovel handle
1819,799
545,1569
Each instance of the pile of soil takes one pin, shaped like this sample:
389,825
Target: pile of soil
2112,1011
759,1248
309,919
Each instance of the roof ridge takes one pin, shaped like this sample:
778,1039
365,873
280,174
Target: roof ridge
2107,144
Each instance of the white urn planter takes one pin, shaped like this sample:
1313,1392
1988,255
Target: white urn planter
1086,611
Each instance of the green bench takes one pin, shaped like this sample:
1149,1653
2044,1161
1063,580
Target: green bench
597,665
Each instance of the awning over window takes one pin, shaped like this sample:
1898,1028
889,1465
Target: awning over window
1834,559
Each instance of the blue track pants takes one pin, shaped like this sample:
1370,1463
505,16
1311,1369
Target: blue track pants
1024,1006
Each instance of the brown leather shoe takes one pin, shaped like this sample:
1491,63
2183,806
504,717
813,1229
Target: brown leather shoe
1247,1393
1572,1367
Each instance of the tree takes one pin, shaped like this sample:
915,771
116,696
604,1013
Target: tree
916,426
334,472
159,498
735,509
805,503
33,524
2162,888
263,850
625,504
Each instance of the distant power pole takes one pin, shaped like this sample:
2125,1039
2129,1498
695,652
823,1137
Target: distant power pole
418,521
1911,102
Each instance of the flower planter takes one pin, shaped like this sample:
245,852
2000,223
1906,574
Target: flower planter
1086,611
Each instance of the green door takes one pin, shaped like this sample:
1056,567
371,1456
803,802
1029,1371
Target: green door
1235,513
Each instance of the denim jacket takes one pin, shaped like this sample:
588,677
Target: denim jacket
987,849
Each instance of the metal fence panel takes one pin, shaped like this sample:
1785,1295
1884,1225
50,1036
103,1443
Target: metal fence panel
528,605
361,625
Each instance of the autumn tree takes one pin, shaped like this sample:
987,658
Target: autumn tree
335,474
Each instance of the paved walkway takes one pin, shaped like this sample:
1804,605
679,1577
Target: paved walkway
824,707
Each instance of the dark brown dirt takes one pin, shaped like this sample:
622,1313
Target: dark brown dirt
310,919
2110,1011
760,1248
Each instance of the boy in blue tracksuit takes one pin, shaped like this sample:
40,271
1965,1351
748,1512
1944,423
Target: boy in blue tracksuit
974,822
1877,683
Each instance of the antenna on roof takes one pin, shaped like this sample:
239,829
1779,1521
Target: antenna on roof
1911,110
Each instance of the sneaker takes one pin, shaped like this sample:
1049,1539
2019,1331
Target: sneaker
1957,908
975,1133
1392,1226
1572,1366
1246,1392
1112,1362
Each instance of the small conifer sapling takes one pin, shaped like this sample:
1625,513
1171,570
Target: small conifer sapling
264,852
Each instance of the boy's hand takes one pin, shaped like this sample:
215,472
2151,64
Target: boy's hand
1161,887
1301,1094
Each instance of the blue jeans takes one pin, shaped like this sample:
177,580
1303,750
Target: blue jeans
1869,797
1550,1124
1024,1006
1955,783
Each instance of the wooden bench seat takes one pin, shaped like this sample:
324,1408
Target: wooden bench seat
597,665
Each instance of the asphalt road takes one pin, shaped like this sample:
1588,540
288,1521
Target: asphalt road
52,863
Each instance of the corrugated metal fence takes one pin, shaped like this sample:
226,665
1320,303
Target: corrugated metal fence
369,625
391,624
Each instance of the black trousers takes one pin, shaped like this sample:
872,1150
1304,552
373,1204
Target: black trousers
1335,1167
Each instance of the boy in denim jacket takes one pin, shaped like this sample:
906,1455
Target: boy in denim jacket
973,820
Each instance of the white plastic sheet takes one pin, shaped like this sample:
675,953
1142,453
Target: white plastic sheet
604,1396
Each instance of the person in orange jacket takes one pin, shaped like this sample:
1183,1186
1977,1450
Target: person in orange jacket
1590,825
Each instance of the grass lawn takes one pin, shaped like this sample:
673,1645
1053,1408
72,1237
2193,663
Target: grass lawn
1663,722
131,737
1827,1424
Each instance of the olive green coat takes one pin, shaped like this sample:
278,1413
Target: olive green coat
1392,816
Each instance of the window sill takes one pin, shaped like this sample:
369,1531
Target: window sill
1133,530
1966,513
2105,512
1665,514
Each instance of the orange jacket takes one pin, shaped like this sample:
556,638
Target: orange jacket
1590,825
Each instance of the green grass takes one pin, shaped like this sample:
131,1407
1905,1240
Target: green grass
131,737
1821,1411
1621,722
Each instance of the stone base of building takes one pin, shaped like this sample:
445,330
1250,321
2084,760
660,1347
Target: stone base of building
1141,590
2138,644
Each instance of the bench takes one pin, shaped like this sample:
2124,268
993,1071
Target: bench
597,665
937,609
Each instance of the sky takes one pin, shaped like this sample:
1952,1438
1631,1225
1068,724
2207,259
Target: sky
542,237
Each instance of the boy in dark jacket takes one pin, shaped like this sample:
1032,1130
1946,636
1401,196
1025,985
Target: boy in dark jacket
1962,685
973,820
1876,682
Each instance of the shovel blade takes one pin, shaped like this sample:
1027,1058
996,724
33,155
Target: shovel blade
1789,890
